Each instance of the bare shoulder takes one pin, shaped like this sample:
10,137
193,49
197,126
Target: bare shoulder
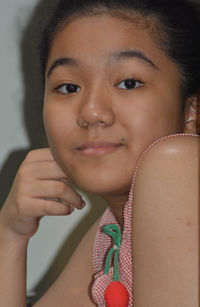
178,144
183,143
165,219
72,288
168,173
171,151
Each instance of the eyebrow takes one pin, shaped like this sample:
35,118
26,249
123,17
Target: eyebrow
112,58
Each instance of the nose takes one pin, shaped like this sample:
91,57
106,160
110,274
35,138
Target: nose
96,109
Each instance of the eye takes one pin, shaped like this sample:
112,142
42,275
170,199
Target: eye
131,84
67,88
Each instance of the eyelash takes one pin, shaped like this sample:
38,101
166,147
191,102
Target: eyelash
58,88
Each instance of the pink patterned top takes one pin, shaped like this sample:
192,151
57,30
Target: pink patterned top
103,243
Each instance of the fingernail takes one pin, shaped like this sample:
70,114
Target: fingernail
71,209
83,204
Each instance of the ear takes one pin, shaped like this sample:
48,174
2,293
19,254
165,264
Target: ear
190,123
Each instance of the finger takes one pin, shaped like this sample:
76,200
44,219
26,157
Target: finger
44,170
43,207
41,154
51,189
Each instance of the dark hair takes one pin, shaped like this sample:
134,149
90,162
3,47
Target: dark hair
174,23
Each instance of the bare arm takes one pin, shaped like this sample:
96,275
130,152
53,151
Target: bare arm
37,187
165,225
12,269
72,288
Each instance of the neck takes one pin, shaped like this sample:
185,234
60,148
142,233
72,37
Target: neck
116,204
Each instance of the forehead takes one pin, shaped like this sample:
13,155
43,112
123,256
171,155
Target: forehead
90,39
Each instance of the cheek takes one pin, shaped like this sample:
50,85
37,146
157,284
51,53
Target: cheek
58,126
59,129
57,119
140,114
51,123
153,117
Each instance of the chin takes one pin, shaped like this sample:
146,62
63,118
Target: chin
99,176
103,185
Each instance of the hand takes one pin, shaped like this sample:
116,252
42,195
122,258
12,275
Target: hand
40,188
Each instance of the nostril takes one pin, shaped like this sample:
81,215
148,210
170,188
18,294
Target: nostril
92,117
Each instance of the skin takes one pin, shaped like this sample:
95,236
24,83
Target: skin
132,118
129,118
165,231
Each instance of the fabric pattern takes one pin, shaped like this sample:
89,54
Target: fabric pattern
103,243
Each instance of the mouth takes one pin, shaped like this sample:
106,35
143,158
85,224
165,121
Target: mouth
98,148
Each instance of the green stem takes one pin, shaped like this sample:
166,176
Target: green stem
113,231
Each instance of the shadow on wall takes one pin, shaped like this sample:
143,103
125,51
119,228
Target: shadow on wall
32,109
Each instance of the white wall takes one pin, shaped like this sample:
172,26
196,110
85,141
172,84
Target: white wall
21,129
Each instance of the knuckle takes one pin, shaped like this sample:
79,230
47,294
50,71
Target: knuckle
18,197
22,178
47,208
22,171
80,199
60,187
79,202
20,202
26,171
31,154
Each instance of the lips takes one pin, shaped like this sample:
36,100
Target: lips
98,147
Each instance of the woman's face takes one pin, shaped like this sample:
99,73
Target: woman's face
124,94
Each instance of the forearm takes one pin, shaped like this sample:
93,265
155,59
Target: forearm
12,270
165,231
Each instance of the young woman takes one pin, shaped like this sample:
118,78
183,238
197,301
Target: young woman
121,81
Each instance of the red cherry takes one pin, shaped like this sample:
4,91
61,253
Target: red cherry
116,295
